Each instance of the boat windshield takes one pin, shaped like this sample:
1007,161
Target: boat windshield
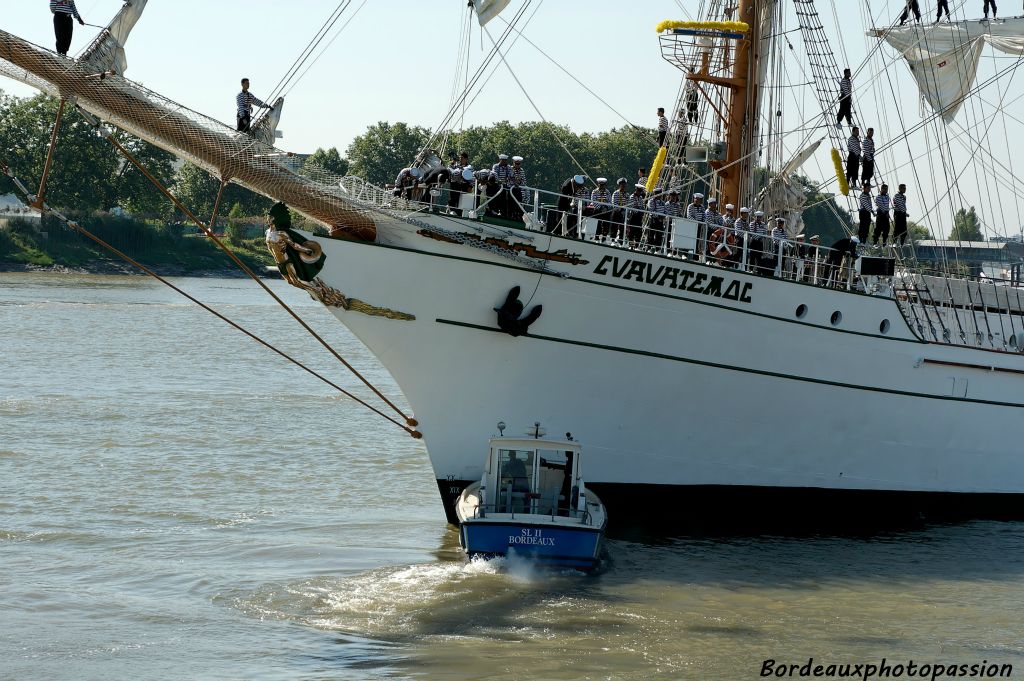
536,481
515,479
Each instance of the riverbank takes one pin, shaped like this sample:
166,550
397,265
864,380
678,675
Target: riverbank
117,267
169,250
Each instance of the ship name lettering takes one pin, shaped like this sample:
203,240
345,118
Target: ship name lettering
675,277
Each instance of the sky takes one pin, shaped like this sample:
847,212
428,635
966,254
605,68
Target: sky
395,61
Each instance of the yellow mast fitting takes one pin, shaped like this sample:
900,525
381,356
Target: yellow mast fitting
731,26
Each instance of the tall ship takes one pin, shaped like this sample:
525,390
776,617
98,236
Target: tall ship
715,367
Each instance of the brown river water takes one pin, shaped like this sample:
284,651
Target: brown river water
178,503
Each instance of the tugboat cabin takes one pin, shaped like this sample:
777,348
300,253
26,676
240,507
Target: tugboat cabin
539,477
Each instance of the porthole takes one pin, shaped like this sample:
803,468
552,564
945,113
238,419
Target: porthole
884,326
801,311
837,317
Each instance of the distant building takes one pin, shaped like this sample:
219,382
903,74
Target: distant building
994,259
11,208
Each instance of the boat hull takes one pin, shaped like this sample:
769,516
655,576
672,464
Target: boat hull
671,382
544,543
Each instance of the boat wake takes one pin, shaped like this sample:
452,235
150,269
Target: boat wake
412,601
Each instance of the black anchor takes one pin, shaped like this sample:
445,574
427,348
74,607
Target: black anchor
508,314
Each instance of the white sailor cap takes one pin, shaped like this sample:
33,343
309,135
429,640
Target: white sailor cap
698,195
744,210
713,200
502,157
578,179
729,206
640,185
855,239
517,159
758,213
602,180
621,180
800,236
780,219
415,172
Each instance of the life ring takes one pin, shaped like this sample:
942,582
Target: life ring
721,244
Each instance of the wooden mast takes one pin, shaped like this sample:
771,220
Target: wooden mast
742,115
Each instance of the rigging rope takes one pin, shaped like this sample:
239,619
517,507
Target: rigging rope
550,127
220,244
76,227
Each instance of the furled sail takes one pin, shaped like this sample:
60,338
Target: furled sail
944,57
106,53
488,9
784,196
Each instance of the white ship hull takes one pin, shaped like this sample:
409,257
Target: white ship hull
682,387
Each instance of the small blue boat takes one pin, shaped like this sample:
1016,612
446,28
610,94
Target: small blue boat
532,502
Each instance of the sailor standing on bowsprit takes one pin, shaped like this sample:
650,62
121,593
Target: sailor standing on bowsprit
63,26
245,101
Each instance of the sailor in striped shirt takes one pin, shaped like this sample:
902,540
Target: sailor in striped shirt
671,207
882,215
742,224
899,205
599,197
853,157
620,197
696,210
517,187
729,219
635,206
864,213
712,216
662,126
63,26
867,158
655,221
503,170
245,101
845,100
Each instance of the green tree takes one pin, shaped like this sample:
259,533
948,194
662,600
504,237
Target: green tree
966,226
236,228
83,163
132,190
384,149
329,160
917,231
87,174
197,189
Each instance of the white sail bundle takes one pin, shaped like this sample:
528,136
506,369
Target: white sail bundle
488,9
944,58
784,196
106,53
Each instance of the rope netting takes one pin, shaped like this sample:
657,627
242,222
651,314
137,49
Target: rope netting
247,159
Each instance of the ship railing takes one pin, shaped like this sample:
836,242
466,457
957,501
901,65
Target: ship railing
983,312
653,231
